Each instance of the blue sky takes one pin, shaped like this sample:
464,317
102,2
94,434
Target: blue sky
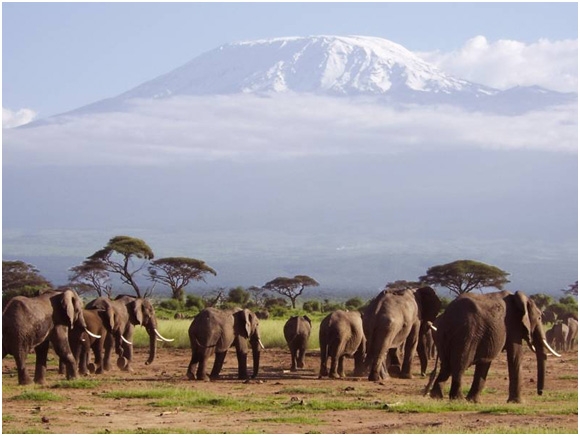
59,56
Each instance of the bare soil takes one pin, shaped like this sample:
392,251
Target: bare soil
88,410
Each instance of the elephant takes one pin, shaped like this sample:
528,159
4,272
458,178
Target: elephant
426,347
474,329
297,332
214,331
129,311
35,322
341,334
81,343
572,333
396,318
560,336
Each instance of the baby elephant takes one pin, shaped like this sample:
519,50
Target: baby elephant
341,334
297,332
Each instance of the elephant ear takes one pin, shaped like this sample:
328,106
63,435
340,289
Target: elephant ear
428,302
521,302
243,323
68,305
136,310
308,320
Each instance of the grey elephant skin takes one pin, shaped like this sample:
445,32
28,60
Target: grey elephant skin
474,329
341,334
572,333
214,331
33,323
394,319
297,333
129,311
82,343
559,334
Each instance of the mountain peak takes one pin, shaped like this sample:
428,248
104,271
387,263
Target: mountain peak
336,65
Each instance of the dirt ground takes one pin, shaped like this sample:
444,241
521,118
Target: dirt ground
292,401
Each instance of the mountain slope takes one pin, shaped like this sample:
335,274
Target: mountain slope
348,66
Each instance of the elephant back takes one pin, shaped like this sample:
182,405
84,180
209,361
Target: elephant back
212,328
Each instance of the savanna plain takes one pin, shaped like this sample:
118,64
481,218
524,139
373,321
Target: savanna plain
160,399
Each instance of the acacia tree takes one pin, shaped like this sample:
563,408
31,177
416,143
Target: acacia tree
92,273
177,273
572,289
128,249
464,276
21,278
290,287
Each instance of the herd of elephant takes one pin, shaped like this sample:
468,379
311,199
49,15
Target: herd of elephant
382,339
562,336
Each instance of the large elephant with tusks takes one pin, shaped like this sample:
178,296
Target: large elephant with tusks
474,329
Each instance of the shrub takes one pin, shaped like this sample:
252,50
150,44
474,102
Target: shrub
311,306
192,301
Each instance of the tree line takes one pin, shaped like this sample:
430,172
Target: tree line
130,259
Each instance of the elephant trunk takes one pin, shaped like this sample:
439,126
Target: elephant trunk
256,349
152,345
541,363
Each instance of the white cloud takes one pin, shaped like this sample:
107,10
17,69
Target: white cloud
247,127
17,118
506,63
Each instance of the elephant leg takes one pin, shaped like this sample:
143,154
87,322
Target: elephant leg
41,358
109,347
192,364
20,358
61,366
341,372
217,364
410,348
323,361
59,340
97,348
301,353
442,377
242,364
456,382
124,361
481,370
293,353
334,367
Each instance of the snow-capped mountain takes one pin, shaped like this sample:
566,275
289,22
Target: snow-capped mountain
348,66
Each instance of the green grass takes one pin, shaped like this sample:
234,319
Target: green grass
291,420
76,384
38,395
271,331
8,418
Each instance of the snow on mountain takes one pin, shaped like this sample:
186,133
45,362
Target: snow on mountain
348,66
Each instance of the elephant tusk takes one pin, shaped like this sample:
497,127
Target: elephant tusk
431,326
550,349
161,337
125,340
261,345
92,334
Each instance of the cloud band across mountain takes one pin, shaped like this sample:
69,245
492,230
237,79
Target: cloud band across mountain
249,127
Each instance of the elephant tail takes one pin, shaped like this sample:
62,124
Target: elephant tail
431,377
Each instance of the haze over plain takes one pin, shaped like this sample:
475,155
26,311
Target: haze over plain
356,166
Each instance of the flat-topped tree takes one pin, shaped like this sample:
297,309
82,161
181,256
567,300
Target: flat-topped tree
128,249
464,276
178,272
93,274
290,287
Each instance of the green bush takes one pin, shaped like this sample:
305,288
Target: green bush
196,301
311,306
171,304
